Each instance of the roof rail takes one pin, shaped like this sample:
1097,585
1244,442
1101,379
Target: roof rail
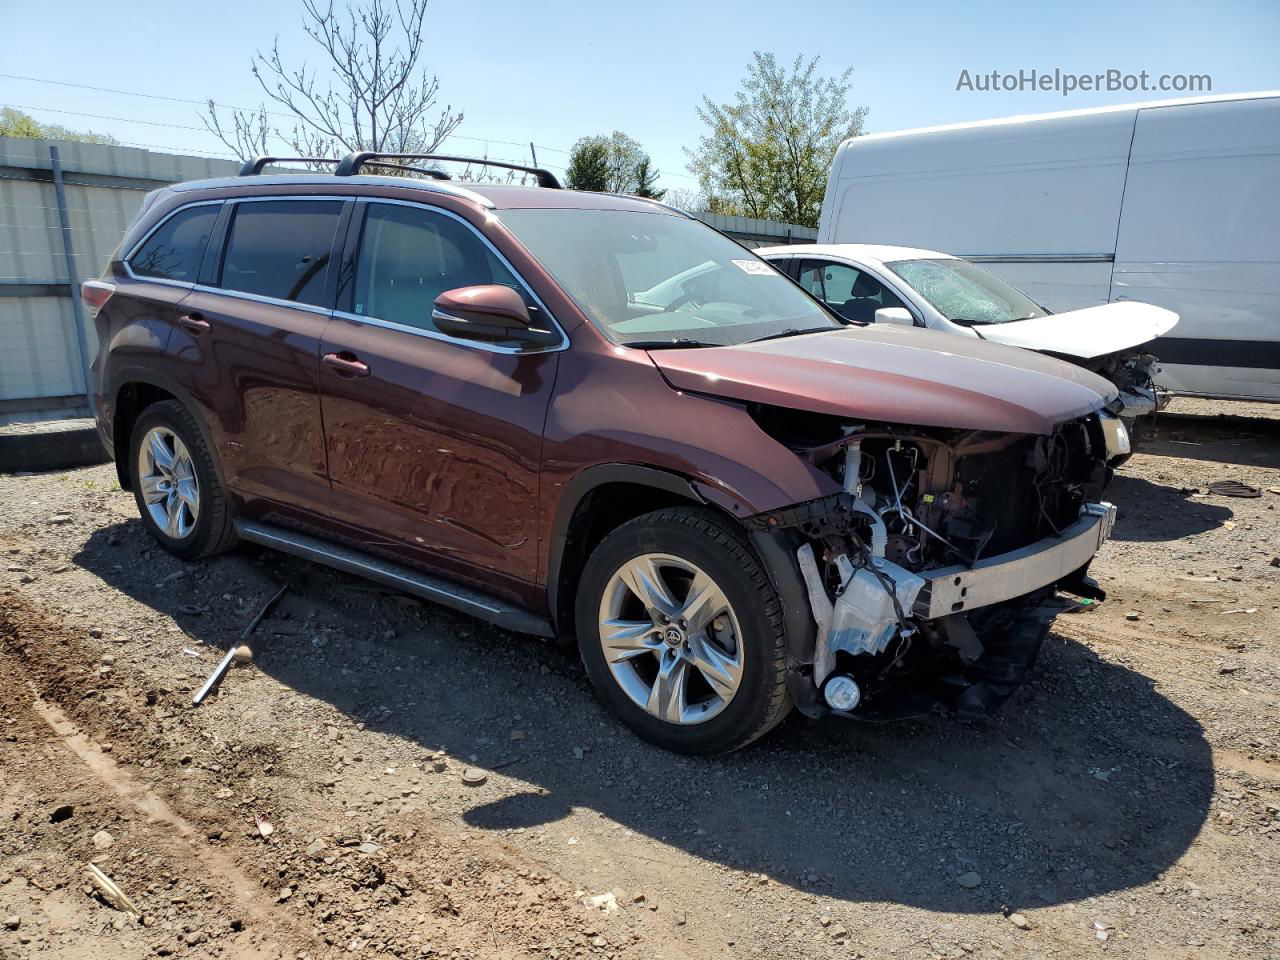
426,171
352,163
251,168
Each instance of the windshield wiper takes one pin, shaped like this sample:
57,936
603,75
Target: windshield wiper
791,332
677,343
971,324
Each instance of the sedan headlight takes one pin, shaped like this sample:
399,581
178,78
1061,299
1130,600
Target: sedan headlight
1116,434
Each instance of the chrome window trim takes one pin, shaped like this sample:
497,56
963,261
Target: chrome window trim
458,341
445,338
133,251
354,317
259,298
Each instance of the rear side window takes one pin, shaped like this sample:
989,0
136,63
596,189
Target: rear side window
409,256
281,249
174,251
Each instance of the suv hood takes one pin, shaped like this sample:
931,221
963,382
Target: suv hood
896,375
1087,333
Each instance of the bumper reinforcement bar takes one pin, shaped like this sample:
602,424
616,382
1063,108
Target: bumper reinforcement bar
1008,575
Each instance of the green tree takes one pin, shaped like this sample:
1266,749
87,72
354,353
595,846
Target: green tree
612,164
647,180
15,123
588,165
767,154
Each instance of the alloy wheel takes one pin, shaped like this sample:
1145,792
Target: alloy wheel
167,480
671,639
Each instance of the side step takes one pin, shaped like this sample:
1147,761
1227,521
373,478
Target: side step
390,574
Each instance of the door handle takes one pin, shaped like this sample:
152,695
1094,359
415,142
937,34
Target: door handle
346,364
194,323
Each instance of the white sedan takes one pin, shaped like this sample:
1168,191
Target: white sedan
875,283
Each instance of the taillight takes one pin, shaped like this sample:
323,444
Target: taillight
95,294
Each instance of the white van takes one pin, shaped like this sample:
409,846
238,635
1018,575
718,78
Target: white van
1175,203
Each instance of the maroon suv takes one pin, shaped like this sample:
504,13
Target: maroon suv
594,417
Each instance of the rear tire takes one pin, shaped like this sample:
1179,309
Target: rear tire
175,483
699,665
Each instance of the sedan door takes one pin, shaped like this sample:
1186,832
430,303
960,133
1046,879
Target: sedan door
852,292
434,443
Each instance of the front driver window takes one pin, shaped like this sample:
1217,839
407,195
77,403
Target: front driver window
854,294
409,256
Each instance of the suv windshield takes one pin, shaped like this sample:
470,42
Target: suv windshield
964,293
650,278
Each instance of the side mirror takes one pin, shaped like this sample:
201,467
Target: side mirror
486,311
899,315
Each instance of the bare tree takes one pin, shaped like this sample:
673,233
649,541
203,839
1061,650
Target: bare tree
373,93
682,198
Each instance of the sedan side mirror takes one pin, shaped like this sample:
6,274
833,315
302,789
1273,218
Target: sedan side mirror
899,315
487,311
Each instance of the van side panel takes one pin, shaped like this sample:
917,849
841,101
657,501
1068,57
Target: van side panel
1036,202
1200,235
1060,284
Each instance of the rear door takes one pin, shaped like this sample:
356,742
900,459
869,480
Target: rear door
248,349
434,443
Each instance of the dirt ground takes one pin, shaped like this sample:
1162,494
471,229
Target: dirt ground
1126,802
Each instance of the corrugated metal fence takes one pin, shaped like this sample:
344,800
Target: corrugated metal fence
43,356
42,371
751,232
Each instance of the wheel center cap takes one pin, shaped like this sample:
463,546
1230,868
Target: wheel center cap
673,636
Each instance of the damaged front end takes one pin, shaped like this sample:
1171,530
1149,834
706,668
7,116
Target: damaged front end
931,576
1133,372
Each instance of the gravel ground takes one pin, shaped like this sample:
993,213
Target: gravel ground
1124,803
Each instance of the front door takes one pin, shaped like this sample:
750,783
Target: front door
848,290
434,443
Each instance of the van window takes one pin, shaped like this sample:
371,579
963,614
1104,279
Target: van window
174,251
281,249
409,256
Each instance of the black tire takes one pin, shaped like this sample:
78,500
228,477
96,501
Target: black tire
213,531
714,545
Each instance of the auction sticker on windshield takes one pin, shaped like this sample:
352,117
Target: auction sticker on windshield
756,268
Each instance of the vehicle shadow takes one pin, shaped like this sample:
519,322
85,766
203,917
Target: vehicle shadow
1220,438
1089,782
1151,512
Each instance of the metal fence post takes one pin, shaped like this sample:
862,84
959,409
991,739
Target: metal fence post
73,277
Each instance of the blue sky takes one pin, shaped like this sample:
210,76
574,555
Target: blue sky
554,71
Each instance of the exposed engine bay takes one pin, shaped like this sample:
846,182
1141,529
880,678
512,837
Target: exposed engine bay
935,568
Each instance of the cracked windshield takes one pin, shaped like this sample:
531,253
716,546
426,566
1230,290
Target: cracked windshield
966,294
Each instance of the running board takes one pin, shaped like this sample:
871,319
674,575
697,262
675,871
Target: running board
390,574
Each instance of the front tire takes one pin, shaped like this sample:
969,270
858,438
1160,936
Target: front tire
175,484
681,632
